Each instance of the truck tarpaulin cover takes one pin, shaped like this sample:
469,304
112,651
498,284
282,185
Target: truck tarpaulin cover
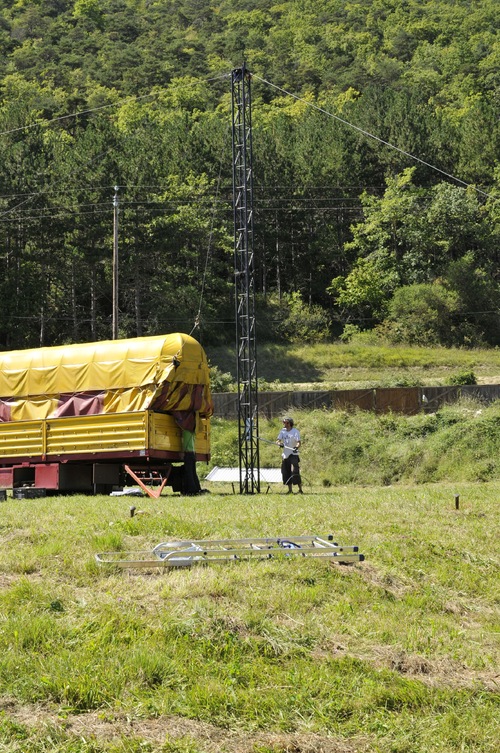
167,373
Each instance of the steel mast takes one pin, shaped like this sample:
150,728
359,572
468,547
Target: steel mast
244,276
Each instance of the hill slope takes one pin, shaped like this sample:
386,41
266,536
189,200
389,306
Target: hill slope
329,366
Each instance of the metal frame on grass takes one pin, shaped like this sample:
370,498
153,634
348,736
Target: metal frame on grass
187,553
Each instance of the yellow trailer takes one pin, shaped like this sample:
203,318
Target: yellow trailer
74,418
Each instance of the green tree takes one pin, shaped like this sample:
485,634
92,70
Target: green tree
409,236
477,319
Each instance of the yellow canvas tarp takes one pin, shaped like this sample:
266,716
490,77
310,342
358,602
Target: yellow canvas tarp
166,372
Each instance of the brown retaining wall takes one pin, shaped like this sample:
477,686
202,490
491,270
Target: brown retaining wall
406,400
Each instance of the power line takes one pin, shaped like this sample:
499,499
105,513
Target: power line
76,114
372,136
119,102
73,188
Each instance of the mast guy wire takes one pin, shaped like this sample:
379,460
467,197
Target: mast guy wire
372,136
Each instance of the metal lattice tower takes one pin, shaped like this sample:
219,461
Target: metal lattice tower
244,274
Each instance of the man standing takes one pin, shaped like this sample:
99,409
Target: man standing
289,440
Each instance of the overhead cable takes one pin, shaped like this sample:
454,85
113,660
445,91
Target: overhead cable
102,107
372,136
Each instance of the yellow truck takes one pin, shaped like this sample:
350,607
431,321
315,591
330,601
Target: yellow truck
90,417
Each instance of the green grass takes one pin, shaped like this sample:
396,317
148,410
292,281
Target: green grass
344,366
459,442
398,653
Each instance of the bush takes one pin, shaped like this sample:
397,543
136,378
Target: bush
353,335
303,323
220,382
349,332
290,319
463,377
422,314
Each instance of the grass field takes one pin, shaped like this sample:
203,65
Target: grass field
398,654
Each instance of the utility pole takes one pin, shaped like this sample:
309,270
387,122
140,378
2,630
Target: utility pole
115,264
244,275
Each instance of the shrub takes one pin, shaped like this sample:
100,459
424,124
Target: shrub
349,331
303,323
422,314
463,377
219,381
353,335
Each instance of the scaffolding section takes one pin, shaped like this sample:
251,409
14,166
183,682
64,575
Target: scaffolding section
244,274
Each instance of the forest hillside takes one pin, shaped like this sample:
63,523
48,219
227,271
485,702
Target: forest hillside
376,142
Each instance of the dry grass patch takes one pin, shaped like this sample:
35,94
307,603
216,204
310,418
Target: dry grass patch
171,733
